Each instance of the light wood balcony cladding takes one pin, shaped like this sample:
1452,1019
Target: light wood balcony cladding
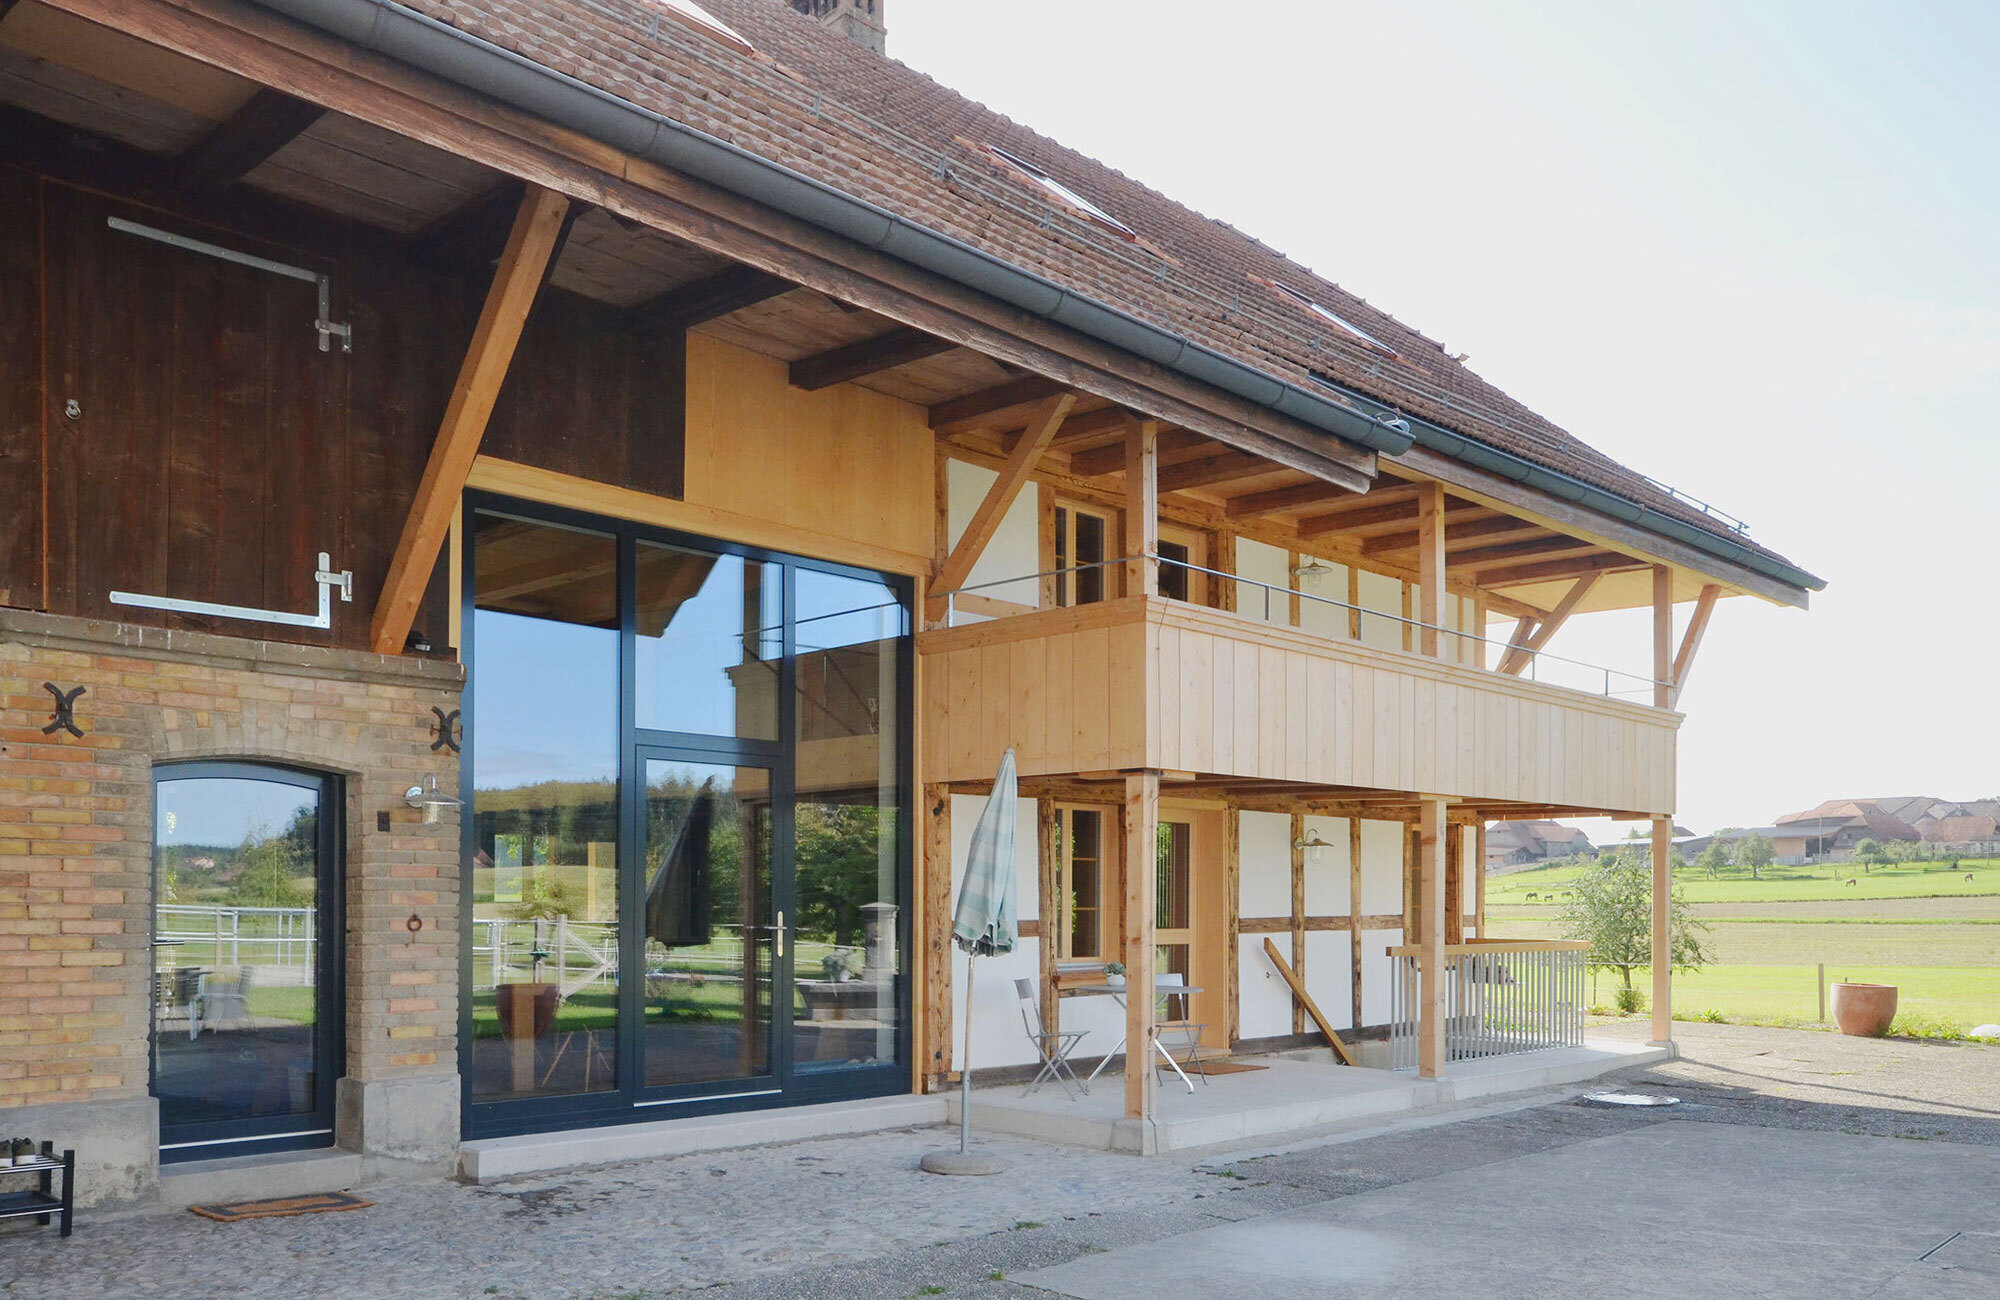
1155,683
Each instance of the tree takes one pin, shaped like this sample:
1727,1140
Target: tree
1754,852
1612,912
268,873
1714,858
1870,855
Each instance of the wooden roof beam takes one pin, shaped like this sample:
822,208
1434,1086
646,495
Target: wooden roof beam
531,247
1551,570
1225,467
236,146
1110,459
468,238
1478,559
1383,505
1525,649
977,410
1472,530
1296,497
899,347
1704,607
701,301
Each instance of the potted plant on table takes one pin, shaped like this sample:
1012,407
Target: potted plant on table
1114,974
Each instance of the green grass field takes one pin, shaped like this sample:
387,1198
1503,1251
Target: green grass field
1921,927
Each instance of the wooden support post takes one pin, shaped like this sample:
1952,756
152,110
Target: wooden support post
518,278
1477,642
935,932
1663,954
1142,827
1298,914
1052,907
1479,881
1704,608
1232,895
1454,884
1663,637
1354,910
999,499
1353,602
1430,565
1430,986
1520,654
1141,523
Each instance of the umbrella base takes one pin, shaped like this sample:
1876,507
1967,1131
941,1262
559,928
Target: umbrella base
962,1163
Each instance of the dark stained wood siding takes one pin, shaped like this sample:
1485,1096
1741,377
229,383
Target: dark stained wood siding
219,450
21,477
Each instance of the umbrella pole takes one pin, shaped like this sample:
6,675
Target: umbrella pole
965,1065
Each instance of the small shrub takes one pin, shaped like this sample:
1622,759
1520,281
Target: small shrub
1628,1000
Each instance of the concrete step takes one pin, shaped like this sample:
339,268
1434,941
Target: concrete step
490,1159
259,1177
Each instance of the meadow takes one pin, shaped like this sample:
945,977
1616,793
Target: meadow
1920,926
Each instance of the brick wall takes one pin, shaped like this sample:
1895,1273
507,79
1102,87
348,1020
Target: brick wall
76,829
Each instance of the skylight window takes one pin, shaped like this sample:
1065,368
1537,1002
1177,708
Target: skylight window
1326,314
693,15
1062,193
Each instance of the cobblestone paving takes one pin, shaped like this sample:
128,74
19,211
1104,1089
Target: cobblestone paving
853,1218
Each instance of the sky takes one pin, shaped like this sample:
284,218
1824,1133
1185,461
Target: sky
1749,249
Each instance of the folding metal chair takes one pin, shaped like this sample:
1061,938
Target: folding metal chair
1186,1033
1054,1048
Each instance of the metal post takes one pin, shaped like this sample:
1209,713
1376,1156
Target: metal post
1822,992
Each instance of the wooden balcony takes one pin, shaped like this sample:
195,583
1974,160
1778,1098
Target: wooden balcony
1144,682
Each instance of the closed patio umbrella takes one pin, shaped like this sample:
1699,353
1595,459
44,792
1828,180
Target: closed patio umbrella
983,925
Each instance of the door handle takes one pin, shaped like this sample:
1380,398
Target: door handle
778,931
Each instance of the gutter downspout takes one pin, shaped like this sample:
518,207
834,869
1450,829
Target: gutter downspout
386,28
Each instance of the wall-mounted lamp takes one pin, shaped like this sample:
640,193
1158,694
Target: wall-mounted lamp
1311,572
1311,843
431,800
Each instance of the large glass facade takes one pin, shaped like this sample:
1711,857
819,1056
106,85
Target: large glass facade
686,760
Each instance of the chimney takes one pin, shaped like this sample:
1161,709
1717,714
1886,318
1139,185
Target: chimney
859,21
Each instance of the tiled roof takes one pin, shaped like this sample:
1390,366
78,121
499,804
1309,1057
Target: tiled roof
881,132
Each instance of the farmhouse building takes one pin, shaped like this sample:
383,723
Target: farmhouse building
528,528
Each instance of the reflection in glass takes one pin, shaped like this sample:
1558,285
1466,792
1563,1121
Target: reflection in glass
1171,880
848,820
545,810
1082,830
710,640
236,949
708,923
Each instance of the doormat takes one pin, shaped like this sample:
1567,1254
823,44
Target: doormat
1230,1067
281,1206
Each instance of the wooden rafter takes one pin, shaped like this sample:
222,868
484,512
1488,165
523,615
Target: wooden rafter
1094,424
1298,496
1517,657
1110,458
705,300
1224,467
470,236
976,410
1704,607
1550,570
1502,555
530,247
1472,530
899,347
234,148
999,498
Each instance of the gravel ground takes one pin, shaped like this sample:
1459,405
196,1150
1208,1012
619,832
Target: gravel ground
852,1217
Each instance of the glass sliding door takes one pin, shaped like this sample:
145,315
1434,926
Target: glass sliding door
687,762
246,958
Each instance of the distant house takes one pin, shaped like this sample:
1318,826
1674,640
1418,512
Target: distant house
1975,822
1513,844
1792,845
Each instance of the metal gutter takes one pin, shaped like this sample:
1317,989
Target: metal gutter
387,28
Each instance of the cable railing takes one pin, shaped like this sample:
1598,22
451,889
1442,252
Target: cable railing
1612,683
1502,997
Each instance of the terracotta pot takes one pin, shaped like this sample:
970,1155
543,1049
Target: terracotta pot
1864,1010
508,998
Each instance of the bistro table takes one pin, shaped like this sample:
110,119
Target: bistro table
1118,991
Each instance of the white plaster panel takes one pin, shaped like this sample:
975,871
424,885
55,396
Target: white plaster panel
1317,616
999,1037
1264,864
1265,564
1330,976
1015,549
1381,592
1263,999
1381,867
1327,882
1375,975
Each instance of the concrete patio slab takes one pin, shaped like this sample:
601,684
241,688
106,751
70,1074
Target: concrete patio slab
1289,1098
1675,1209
